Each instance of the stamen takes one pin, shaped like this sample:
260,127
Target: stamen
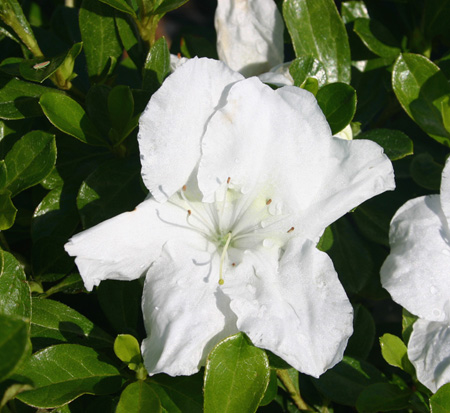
184,188
269,201
291,229
233,264
222,258
228,180
189,212
198,215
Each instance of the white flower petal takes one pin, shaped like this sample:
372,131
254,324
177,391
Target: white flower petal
354,172
185,312
172,125
249,35
445,190
429,352
345,133
300,313
123,247
416,273
278,75
260,136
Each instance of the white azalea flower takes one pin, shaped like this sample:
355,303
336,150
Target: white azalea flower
244,181
416,274
249,35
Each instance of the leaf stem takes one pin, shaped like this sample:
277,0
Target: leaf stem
283,375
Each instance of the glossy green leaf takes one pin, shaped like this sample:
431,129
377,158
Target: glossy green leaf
14,290
361,341
67,66
376,37
338,103
395,353
54,221
272,389
138,397
12,14
408,320
382,397
305,67
179,394
120,108
421,87
113,188
19,99
157,66
351,257
7,211
13,343
426,172
120,5
100,41
352,10
29,161
41,68
236,376
130,38
69,117
440,401
121,304
395,143
72,284
64,372
328,43
168,5
55,323
344,382
127,349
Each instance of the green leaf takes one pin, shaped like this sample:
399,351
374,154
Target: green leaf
120,108
157,66
351,256
361,341
445,111
14,343
72,284
352,10
54,220
138,397
394,351
395,143
113,188
121,304
272,389
29,161
236,376
382,397
19,99
328,42
440,401
408,320
64,372
305,67
14,290
120,5
130,38
55,323
420,88
127,350
426,172
344,382
69,117
168,5
338,103
179,394
377,37
7,211
98,31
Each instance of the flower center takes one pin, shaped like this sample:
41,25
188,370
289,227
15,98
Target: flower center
236,222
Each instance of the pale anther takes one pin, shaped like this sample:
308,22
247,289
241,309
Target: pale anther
268,202
291,229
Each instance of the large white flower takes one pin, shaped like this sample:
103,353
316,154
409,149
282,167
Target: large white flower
417,275
244,181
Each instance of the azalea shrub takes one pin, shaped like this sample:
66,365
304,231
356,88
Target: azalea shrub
225,206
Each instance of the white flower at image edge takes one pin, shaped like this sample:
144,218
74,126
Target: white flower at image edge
417,275
244,180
